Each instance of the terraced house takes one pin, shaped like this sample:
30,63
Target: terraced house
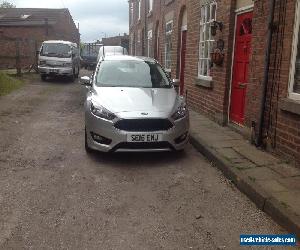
238,62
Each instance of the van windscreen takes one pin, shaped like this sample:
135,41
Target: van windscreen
56,50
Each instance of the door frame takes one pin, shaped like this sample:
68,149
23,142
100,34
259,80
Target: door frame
243,10
183,29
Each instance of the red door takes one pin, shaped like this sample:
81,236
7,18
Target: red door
242,52
182,60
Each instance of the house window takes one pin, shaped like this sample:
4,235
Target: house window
139,36
150,5
131,13
149,50
208,15
168,46
294,86
139,9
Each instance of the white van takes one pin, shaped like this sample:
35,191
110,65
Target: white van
59,58
111,51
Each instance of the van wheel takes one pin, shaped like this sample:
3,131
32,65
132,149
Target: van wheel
72,77
43,77
77,74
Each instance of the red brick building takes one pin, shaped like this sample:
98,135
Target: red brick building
116,41
32,27
238,60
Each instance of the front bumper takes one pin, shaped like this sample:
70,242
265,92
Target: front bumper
118,138
62,71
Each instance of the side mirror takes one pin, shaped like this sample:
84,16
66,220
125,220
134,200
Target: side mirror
85,80
176,82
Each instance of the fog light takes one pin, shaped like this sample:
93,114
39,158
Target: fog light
100,139
181,138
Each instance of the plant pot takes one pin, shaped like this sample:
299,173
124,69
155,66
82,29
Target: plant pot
217,57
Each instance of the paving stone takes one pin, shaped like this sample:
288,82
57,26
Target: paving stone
244,165
285,170
292,183
272,186
261,173
290,199
228,153
258,157
229,143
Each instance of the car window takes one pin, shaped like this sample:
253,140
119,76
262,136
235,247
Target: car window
137,74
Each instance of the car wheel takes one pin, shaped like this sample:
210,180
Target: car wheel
87,148
77,74
43,77
72,77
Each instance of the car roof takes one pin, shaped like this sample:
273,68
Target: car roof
59,41
129,58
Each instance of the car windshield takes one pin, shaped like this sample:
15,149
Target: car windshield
56,50
136,74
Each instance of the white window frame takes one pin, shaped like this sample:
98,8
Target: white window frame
168,33
150,5
204,22
292,94
150,35
131,13
139,9
139,36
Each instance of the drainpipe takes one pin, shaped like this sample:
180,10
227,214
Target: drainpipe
259,139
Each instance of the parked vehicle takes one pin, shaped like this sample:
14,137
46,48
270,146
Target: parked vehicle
111,51
131,105
59,58
89,54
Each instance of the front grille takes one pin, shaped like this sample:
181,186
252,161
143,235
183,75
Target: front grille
143,125
143,145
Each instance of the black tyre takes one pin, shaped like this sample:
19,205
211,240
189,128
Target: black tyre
87,148
72,77
43,77
77,74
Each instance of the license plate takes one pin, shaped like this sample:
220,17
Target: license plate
53,70
144,137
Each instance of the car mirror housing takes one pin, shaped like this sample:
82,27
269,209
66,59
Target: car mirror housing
85,80
176,82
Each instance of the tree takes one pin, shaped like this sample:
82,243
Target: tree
6,4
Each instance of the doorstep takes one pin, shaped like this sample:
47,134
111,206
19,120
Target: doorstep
270,183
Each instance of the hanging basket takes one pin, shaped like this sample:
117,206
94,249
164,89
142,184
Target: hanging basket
217,57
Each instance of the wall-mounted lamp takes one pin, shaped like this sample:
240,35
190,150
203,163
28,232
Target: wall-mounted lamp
215,26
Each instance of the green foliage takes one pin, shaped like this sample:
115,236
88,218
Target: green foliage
6,4
8,84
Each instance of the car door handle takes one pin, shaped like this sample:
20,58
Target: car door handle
242,85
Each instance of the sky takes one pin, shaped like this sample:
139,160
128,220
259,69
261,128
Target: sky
97,18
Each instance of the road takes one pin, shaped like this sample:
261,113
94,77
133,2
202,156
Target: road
55,196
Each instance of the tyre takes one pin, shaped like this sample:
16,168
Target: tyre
77,74
43,77
72,77
87,148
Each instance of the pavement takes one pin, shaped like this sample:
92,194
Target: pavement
271,183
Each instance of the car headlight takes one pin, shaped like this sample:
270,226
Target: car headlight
180,112
102,112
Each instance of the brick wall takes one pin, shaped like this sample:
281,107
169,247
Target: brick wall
281,128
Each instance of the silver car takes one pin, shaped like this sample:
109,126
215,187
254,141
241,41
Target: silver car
131,105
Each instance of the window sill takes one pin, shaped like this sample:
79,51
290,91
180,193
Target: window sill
167,2
290,105
206,83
